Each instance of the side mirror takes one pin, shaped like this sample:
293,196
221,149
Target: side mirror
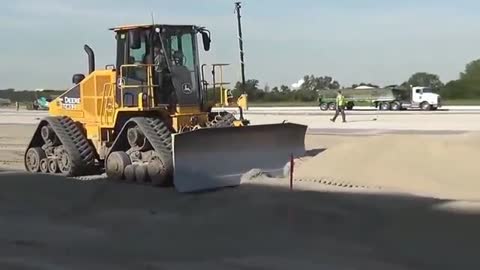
135,39
206,41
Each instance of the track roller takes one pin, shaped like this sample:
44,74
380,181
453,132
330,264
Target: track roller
52,166
116,164
141,174
130,173
136,138
47,133
64,161
44,165
63,145
158,173
33,158
146,142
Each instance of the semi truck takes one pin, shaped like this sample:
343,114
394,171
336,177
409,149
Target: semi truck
388,98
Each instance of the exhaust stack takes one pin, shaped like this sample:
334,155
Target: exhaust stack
91,58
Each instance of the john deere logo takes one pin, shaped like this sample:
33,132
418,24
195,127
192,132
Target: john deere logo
187,89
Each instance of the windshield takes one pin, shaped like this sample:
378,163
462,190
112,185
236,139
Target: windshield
180,51
427,90
180,47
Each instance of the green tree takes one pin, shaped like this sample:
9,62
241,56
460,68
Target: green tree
308,91
468,86
472,71
285,89
425,79
251,89
313,83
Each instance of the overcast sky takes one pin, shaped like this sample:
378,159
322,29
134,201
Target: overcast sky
378,41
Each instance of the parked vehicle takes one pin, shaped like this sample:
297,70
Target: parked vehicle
389,98
5,102
41,104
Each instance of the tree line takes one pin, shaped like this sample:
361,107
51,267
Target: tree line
27,96
467,86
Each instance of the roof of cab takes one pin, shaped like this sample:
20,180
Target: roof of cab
135,26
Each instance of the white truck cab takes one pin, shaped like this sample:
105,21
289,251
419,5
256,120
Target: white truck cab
425,98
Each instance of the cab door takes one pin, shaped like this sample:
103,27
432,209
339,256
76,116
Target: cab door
417,96
132,50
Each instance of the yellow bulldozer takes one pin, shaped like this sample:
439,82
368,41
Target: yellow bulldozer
145,120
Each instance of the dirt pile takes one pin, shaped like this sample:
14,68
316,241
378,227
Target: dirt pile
438,166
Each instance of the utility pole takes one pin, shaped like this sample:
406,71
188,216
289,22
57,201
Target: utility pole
238,6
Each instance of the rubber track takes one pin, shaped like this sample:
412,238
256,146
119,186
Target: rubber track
159,137
156,132
82,154
226,121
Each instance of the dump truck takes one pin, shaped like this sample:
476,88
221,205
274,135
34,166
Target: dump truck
389,98
145,120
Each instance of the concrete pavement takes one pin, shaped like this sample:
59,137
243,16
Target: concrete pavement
358,110
458,118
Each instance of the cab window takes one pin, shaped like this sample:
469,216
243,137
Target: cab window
187,49
136,55
181,46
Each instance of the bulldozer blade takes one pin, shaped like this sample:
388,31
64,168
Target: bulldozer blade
213,158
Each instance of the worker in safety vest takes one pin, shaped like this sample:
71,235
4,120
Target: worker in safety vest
340,102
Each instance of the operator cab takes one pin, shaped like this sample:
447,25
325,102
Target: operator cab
173,52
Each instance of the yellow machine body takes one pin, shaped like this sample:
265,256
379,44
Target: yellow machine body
99,111
226,98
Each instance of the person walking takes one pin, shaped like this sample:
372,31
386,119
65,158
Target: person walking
340,107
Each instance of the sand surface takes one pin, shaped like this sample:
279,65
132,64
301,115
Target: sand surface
55,223
351,208
13,143
433,165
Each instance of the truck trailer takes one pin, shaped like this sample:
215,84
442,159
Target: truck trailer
389,98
